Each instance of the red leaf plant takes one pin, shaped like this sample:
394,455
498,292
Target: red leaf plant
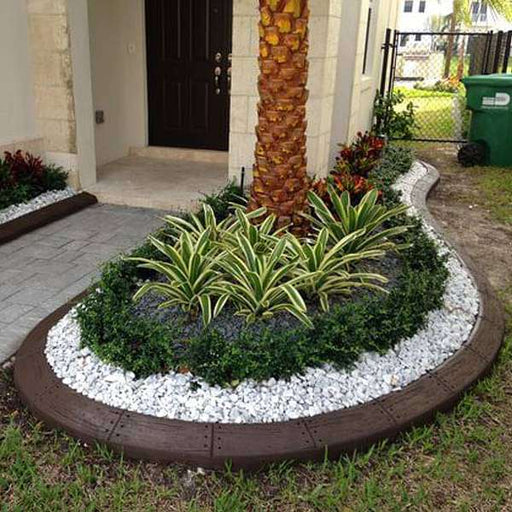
24,168
353,166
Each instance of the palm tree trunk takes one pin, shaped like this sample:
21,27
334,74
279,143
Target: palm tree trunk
280,180
449,48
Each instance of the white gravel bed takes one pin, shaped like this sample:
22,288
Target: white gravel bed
319,390
18,210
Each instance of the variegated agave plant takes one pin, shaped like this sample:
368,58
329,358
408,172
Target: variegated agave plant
328,268
261,283
191,272
344,219
261,271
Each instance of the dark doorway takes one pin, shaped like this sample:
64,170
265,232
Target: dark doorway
189,61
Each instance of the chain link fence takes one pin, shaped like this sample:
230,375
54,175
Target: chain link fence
427,69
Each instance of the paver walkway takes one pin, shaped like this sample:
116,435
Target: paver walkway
42,270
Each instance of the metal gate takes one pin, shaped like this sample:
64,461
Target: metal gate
425,69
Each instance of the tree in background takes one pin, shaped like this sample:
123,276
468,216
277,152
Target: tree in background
461,17
280,180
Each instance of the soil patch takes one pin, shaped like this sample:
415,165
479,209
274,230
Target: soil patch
463,211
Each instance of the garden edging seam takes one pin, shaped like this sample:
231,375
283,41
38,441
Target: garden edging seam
249,446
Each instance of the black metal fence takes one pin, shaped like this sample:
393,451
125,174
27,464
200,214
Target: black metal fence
426,68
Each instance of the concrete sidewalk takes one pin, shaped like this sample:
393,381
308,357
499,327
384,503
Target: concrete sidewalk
42,270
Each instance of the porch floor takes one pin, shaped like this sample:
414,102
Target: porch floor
158,183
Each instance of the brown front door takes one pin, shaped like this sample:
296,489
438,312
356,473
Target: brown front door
188,57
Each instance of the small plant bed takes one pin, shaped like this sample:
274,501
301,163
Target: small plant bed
33,194
313,353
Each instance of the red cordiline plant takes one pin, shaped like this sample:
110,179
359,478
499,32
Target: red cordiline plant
24,176
353,166
24,167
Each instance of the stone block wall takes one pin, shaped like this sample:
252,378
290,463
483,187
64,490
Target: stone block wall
323,37
28,145
244,93
49,35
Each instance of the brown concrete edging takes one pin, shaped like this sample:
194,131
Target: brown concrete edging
39,218
250,446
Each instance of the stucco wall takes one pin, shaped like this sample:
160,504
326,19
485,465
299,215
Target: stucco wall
117,43
386,16
355,91
17,119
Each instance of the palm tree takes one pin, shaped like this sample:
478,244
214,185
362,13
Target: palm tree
280,180
461,16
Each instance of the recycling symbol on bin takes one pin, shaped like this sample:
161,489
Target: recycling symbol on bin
500,99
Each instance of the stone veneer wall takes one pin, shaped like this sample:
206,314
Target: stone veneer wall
53,81
34,146
323,37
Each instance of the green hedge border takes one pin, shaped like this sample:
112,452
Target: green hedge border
339,337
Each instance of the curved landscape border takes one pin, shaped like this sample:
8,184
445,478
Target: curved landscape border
250,446
37,219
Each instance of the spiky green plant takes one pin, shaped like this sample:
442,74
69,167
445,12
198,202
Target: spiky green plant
191,270
330,266
261,282
343,219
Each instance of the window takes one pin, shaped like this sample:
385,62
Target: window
370,46
478,12
423,5
418,37
403,40
367,38
408,5
483,12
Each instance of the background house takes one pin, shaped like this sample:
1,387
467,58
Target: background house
87,82
431,16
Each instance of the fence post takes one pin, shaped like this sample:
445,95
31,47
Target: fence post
497,52
487,53
506,56
394,56
385,59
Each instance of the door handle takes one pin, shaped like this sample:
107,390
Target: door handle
217,74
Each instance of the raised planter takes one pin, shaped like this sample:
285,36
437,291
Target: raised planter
250,446
39,218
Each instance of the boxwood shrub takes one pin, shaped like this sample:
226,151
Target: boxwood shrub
373,322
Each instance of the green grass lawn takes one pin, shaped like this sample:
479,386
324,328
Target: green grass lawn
462,462
435,114
496,187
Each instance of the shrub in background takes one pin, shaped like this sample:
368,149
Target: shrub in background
389,120
449,85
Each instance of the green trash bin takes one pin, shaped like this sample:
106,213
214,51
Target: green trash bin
489,97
